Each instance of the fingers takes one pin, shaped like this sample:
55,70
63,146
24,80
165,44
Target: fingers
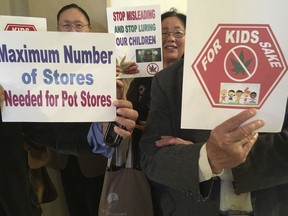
122,104
129,124
230,143
251,140
119,83
120,89
234,122
125,133
246,130
165,141
118,70
129,68
140,127
127,117
170,140
128,64
235,130
2,97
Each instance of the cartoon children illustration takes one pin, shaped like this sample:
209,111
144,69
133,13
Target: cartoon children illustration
238,95
253,96
246,94
223,94
231,94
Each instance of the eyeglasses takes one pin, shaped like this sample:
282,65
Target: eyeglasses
69,26
176,34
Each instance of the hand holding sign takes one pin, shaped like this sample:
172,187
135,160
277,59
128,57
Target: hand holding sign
2,98
230,142
129,68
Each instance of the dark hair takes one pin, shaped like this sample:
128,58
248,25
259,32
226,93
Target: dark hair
174,13
67,7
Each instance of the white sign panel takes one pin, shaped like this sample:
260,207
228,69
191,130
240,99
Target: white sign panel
138,39
20,23
57,76
235,59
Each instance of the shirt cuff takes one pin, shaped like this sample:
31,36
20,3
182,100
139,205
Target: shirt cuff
205,171
95,139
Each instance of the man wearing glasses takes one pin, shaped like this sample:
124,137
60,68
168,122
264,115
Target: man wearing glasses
72,18
82,175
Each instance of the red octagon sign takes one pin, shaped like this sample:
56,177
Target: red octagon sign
240,65
19,27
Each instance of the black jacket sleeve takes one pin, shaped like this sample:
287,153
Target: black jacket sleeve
68,138
266,165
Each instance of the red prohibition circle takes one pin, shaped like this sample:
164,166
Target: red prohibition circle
152,68
234,53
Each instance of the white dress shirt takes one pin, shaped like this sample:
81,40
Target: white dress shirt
228,199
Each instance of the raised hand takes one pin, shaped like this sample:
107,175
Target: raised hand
230,142
126,117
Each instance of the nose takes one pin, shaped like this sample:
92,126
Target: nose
170,36
73,29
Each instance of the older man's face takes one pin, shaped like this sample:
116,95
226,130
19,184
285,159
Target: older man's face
73,20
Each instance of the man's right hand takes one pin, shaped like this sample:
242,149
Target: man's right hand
230,142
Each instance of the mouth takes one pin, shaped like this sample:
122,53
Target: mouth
170,47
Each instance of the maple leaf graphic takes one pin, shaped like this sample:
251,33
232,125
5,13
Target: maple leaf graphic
238,68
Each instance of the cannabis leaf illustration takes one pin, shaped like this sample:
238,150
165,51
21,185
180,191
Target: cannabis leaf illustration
152,69
123,65
238,68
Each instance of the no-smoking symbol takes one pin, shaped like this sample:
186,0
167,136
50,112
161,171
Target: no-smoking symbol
240,65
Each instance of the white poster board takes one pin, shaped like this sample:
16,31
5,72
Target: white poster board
57,76
235,58
21,23
138,38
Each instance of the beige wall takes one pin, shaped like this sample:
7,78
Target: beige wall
4,7
49,9
165,5
14,7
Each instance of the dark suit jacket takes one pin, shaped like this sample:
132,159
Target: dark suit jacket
66,139
265,172
16,194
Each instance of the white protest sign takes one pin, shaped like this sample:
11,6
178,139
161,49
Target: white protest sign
21,23
138,38
57,76
235,58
